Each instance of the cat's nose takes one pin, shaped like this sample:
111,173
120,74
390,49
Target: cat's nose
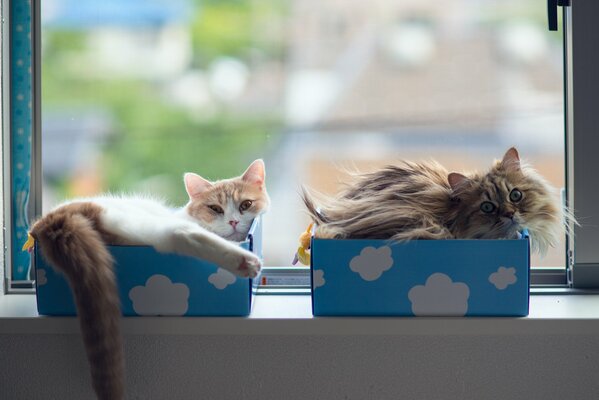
233,223
508,214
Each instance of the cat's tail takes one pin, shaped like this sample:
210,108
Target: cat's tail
313,211
73,245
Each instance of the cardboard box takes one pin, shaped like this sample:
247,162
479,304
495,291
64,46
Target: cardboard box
153,283
420,277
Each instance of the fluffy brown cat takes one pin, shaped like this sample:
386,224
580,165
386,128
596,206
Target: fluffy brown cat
424,201
73,238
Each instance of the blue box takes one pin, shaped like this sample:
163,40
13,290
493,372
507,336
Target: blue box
153,283
420,277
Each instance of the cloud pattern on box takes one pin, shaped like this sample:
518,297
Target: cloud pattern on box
160,296
372,262
439,296
503,277
318,278
221,279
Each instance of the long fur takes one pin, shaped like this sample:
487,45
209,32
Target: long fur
399,202
312,210
423,201
71,241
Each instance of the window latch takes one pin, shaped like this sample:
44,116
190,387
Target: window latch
552,6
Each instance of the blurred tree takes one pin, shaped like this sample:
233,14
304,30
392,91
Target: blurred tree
152,136
234,28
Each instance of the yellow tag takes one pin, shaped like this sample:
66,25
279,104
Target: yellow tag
29,243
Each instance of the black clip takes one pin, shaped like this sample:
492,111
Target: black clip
552,12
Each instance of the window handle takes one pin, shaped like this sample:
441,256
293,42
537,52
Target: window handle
552,12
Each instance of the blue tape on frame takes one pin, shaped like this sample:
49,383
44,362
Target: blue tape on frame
21,131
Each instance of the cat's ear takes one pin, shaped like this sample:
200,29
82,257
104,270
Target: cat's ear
511,160
195,185
255,173
456,180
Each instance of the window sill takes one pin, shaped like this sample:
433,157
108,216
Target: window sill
291,315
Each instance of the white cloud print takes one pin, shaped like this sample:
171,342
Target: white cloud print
221,279
439,296
503,277
372,262
318,278
40,276
160,296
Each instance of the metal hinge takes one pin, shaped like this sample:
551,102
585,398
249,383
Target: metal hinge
552,6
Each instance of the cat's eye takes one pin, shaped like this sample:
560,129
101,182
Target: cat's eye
515,195
245,205
487,207
216,209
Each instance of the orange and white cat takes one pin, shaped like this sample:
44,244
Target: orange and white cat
73,238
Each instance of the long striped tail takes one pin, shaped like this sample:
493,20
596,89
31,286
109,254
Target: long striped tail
72,244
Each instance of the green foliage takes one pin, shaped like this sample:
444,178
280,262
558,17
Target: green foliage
151,136
217,149
221,29
156,138
232,28
62,41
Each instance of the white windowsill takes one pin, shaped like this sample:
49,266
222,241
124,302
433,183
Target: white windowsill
291,315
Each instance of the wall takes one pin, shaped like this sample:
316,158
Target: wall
314,367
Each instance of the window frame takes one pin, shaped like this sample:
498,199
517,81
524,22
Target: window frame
6,144
4,106
21,39
582,88
580,272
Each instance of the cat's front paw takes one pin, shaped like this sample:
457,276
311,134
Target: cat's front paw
249,267
244,264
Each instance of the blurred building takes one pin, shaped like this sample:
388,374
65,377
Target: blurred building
372,82
419,63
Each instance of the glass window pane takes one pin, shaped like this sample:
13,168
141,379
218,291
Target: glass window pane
136,94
